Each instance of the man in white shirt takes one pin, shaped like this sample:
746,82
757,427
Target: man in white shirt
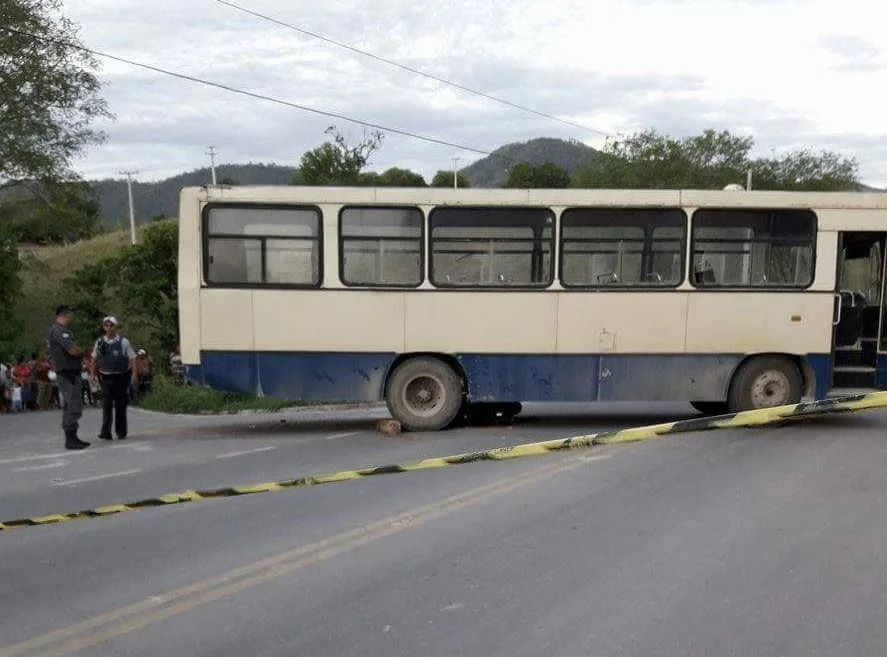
112,359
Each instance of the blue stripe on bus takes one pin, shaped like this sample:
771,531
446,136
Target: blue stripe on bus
881,372
491,377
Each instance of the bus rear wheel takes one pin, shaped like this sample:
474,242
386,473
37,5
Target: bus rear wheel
765,382
424,394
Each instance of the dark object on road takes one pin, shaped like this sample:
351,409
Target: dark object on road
389,427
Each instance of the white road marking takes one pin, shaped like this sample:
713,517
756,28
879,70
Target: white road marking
599,457
96,478
246,451
342,435
45,466
57,455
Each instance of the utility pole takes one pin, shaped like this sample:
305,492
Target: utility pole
748,181
132,214
456,172
211,151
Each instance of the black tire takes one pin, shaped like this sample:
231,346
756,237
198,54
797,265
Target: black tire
765,382
424,394
710,407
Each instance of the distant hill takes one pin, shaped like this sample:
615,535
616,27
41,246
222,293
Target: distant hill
162,197
152,199
492,171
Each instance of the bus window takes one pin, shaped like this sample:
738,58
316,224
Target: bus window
491,247
255,245
381,246
753,248
613,247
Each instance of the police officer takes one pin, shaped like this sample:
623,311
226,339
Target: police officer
114,359
67,356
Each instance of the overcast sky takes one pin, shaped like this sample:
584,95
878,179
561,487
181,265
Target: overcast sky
793,73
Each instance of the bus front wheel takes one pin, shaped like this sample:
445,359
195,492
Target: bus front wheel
424,394
765,382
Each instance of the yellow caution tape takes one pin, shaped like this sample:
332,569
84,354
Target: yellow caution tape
756,418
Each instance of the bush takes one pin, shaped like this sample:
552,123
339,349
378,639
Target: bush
168,396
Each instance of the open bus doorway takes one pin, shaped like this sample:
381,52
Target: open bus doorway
857,322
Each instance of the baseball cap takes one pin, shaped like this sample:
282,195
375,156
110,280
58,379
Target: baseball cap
142,352
110,318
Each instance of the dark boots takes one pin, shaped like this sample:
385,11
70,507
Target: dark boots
73,442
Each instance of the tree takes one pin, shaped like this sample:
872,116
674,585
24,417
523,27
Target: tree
10,284
445,179
545,176
49,92
336,162
520,176
710,160
804,170
138,284
51,212
395,177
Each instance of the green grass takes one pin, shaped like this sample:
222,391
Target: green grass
168,396
44,269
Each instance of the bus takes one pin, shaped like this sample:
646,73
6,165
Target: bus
440,300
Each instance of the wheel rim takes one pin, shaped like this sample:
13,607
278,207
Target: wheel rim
424,395
769,389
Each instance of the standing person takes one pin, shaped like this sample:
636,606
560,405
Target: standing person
66,356
44,385
32,382
114,360
145,373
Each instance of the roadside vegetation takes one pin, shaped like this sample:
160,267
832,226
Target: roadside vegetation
169,396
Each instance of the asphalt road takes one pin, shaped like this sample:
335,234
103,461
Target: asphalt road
746,542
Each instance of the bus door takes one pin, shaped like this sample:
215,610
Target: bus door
857,333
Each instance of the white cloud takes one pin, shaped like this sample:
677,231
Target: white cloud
793,73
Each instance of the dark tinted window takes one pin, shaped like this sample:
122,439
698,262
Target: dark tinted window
753,248
491,247
381,246
614,247
255,245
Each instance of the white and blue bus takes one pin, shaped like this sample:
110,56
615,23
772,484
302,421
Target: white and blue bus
434,299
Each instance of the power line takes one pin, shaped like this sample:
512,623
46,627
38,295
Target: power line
410,69
250,94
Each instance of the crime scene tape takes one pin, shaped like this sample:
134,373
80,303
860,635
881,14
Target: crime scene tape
755,418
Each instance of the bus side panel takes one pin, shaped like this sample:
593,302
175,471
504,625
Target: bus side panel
760,322
667,377
329,377
599,377
352,321
514,377
622,322
230,371
481,322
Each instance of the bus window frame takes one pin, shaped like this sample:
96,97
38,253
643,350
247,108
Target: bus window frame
552,215
206,236
814,244
684,243
341,238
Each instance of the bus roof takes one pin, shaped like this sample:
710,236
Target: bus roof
548,197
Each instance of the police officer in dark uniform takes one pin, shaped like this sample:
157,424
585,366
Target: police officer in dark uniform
113,358
67,357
